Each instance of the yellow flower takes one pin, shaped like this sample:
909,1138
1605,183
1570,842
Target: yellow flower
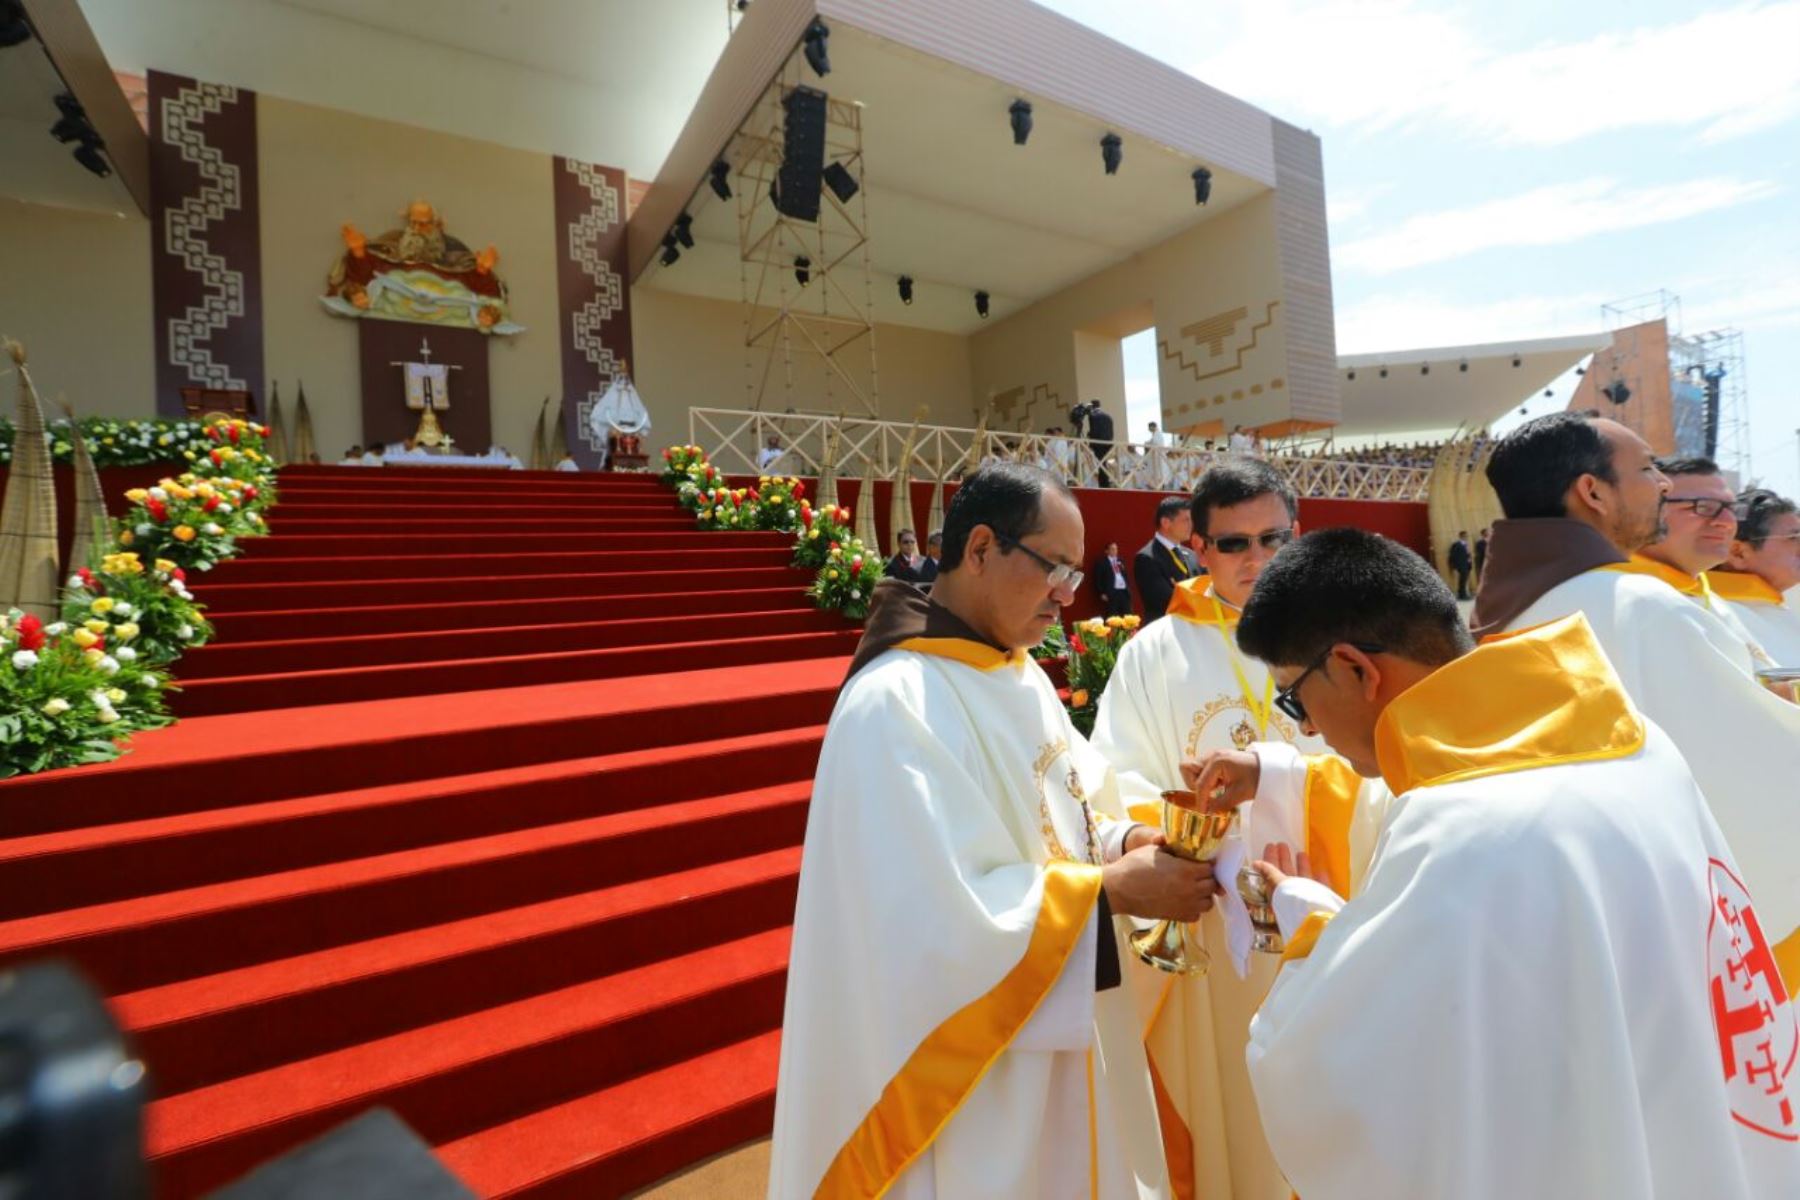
125,538
178,492
1095,626
103,606
203,490
832,574
95,625
183,533
1078,698
163,565
1132,621
92,654
137,495
84,637
1115,623
125,632
115,694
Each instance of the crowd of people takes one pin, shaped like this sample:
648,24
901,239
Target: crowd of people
1513,913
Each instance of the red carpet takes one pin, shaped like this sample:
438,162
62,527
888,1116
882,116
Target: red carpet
486,806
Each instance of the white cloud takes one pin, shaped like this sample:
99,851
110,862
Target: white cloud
1384,64
1546,216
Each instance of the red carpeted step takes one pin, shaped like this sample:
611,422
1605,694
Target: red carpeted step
351,649
208,697
387,525
464,477
244,628
198,1032
424,491
466,544
498,507
222,596
751,550
130,944
458,1077
616,1140
48,872
216,762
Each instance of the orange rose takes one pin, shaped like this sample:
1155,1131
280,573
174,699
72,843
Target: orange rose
184,533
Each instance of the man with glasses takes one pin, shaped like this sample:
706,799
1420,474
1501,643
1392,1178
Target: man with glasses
1552,980
954,1024
1180,689
1581,495
1165,560
1763,571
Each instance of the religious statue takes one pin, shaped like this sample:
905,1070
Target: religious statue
617,421
418,273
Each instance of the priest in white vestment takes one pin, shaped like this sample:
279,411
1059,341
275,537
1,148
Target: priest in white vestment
1581,495
1553,981
1763,569
1181,689
955,1025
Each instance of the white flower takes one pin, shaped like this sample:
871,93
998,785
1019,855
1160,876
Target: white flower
24,660
855,594
56,707
184,632
75,581
223,507
98,697
125,654
151,682
108,665
108,716
146,529
211,529
56,629
123,609
157,493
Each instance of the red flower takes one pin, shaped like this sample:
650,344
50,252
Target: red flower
212,502
31,632
217,461
250,493
665,455
212,431
232,433
833,546
805,517
1077,645
87,579
178,573
799,490
158,511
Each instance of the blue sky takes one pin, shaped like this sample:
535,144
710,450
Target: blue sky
1497,173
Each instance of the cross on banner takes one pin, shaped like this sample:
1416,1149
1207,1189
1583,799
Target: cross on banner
427,383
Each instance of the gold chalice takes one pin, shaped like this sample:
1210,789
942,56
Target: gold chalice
1254,888
1190,833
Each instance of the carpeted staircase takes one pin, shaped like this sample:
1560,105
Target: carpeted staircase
486,806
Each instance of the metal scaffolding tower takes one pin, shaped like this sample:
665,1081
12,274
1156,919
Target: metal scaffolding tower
1707,380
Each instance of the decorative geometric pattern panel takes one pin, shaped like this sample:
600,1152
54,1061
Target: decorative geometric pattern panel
206,251
594,301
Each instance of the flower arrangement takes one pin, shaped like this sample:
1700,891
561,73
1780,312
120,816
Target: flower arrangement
702,477
196,519
679,461
847,579
115,443
820,529
71,693
1093,652
728,508
163,617
779,502
1054,645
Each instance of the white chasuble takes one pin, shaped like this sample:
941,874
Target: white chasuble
1180,690
943,1037
1553,983
1699,590
1687,672
1770,618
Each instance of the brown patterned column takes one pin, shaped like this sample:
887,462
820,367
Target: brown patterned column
205,247
594,299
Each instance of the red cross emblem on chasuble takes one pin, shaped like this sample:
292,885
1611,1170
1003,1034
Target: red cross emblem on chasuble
1758,1036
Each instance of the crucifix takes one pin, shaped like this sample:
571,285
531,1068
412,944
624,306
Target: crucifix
427,390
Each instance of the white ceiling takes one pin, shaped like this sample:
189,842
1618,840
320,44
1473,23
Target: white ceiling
955,205
1412,403
35,167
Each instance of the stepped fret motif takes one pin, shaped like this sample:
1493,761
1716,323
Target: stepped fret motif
185,234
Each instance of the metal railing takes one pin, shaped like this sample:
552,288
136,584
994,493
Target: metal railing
735,440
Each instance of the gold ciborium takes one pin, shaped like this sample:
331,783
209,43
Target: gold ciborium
1173,946
1266,934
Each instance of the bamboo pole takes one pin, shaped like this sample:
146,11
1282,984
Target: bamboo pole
865,508
900,506
304,450
92,533
828,468
559,436
278,447
28,562
540,450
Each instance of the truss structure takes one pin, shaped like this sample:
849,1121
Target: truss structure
830,316
1699,361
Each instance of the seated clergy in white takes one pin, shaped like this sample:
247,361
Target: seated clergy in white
955,1025
1764,566
1182,688
1582,494
1553,982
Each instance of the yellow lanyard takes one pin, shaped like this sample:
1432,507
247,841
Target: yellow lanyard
1179,565
1261,713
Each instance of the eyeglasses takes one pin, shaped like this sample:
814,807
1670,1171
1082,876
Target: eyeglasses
1288,698
1706,509
1059,575
1237,543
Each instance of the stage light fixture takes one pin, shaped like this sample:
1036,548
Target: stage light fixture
1112,152
671,252
802,270
1515,360
813,41
684,231
720,179
14,28
906,289
88,155
1616,391
1351,376
73,125
842,183
1463,367
981,305
1021,121
1384,372
1202,185
1549,391
1424,368
1581,370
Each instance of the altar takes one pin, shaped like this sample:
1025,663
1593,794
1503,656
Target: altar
493,459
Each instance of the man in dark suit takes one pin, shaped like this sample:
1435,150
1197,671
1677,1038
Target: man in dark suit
1481,543
1100,439
909,565
1165,559
1461,563
1109,581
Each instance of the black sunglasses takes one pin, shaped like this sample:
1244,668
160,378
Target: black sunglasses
1237,543
1288,698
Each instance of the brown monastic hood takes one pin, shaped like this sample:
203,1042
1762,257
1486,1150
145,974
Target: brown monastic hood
1526,558
897,611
